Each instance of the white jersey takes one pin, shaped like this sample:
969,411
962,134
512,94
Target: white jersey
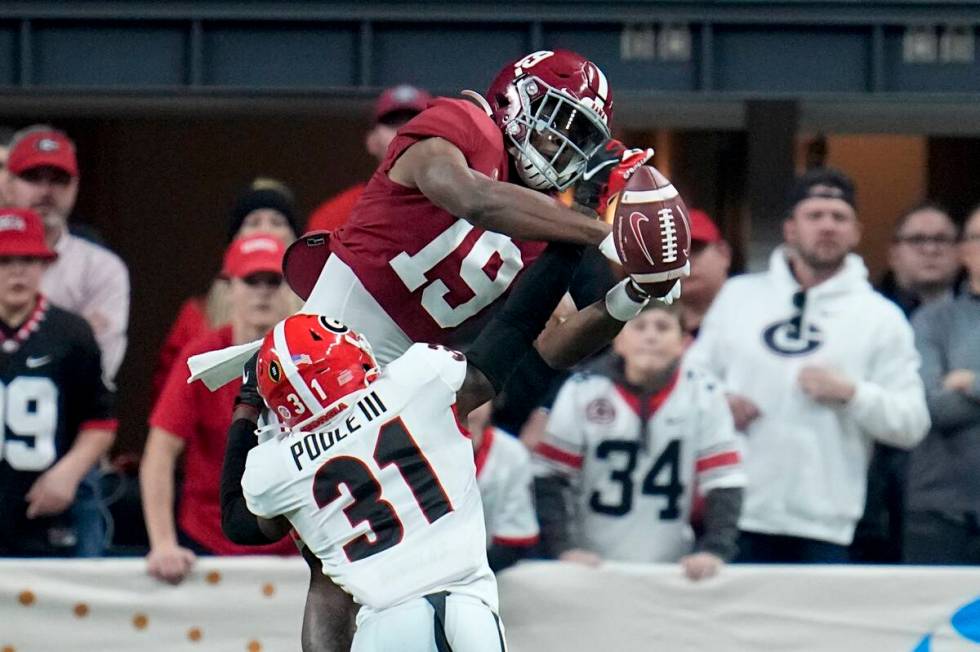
633,481
504,475
807,461
385,493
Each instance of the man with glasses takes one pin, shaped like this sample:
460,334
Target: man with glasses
922,261
942,523
923,266
817,366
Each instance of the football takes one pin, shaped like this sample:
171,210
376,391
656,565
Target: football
651,231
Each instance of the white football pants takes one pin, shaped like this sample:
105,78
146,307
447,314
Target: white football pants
339,294
441,622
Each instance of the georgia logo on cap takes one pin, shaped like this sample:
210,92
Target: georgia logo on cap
258,244
405,93
12,222
47,145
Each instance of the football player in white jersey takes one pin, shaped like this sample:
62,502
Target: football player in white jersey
373,472
630,443
504,475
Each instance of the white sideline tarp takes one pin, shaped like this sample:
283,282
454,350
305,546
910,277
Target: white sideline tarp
633,607
255,604
246,604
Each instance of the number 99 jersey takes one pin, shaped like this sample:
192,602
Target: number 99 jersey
51,388
385,492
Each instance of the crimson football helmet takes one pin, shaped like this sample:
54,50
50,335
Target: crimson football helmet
308,364
553,107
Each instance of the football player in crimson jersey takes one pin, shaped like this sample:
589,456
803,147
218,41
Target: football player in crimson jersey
406,269
405,537
461,204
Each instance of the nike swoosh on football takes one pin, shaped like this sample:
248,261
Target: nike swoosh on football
635,219
34,363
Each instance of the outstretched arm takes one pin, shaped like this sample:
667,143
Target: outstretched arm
440,171
237,522
509,336
583,333
501,345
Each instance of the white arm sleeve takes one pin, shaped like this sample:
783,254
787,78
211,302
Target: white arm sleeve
890,403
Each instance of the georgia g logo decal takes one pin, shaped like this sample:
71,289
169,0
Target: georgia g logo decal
791,337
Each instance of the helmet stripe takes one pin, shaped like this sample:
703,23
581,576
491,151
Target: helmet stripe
603,91
292,373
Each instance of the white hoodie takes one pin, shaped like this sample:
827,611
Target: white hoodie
807,462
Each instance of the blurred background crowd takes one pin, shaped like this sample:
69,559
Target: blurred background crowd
865,451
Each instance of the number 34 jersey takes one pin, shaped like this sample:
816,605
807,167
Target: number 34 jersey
385,493
634,461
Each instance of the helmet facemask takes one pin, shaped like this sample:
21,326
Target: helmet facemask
555,137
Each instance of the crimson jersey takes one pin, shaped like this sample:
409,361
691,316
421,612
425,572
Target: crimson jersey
429,270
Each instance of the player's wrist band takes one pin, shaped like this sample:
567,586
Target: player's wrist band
620,305
608,249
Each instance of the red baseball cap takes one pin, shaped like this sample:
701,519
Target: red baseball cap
252,255
22,234
703,228
43,148
401,98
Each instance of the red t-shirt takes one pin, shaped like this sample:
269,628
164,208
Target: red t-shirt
333,213
191,322
432,271
202,418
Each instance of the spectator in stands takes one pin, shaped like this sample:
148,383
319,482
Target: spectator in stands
623,448
922,269
394,108
922,263
6,135
86,279
503,472
942,524
817,366
711,258
58,414
266,206
191,420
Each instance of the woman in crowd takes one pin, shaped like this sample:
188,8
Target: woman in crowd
191,421
266,206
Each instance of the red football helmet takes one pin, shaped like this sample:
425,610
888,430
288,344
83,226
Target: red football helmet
554,106
308,364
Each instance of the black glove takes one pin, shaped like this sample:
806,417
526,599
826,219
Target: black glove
249,393
592,184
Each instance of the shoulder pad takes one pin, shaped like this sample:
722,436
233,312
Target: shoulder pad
423,363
